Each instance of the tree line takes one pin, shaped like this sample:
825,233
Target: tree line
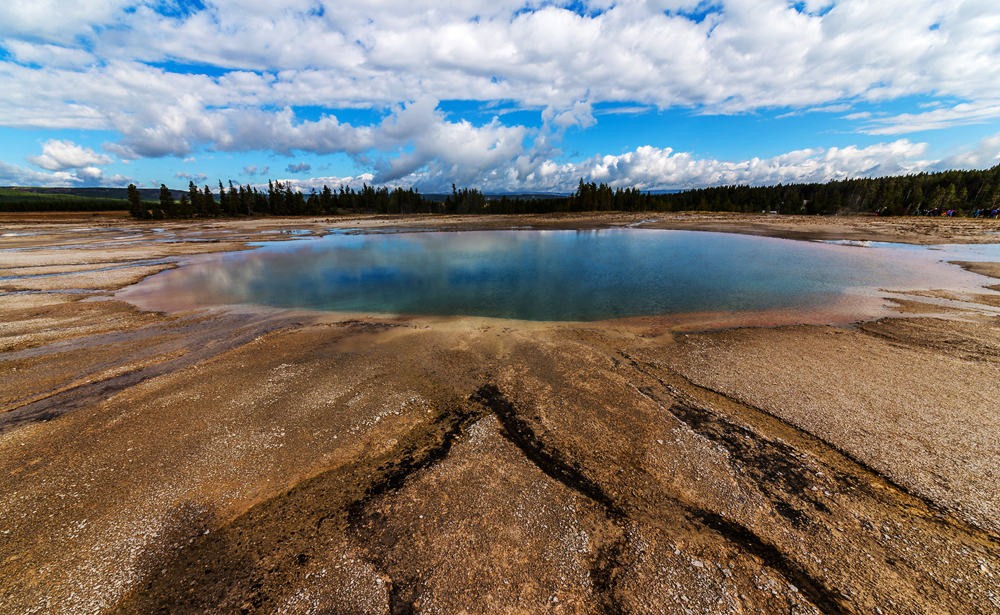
960,192
279,199
949,192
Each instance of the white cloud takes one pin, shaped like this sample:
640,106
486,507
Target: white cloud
197,177
59,155
58,20
942,117
118,180
255,170
652,168
624,110
317,183
300,167
183,127
89,175
646,167
747,55
984,154
87,65
837,108
459,149
56,56
579,114
13,175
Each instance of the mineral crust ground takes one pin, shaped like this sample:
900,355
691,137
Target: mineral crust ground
244,460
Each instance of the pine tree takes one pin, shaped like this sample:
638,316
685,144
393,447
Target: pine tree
167,204
184,210
223,199
916,199
245,204
211,206
194,196
949,197
135,206
234,202
326,200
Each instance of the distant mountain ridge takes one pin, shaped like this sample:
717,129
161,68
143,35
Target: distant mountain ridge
91,193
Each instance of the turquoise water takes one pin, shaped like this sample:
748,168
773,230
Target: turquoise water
547,275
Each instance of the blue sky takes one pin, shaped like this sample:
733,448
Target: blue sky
503,95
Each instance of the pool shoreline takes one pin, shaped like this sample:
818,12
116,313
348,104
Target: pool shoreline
170,291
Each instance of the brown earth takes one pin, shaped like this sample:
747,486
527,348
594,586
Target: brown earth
268,461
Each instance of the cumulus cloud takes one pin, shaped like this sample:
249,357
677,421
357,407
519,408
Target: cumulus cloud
412,136
118,180
459,149
334,182
300,167
14,175
93,176
745,55
255,170
111,65
579,114
183,127
197,177
984,154
61,21
58,56
652,168
89,175
58,155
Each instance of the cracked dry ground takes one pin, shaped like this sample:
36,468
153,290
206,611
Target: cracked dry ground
312,465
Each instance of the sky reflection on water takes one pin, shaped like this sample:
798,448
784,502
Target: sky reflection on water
550,275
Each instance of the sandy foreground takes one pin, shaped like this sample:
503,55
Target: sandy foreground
265,461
